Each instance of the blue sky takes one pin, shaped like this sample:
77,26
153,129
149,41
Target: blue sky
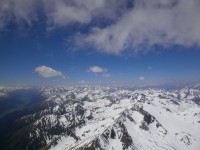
76,42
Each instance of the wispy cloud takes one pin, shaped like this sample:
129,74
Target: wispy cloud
149,23
82,81
48,72
135,25
142,78
106,75
19,12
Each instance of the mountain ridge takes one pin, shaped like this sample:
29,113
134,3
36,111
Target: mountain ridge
85,118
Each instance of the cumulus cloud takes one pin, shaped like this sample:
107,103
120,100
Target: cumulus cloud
48,72
141,78
136,25
96,69
99,70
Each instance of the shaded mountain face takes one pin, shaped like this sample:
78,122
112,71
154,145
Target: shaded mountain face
16,102
105,118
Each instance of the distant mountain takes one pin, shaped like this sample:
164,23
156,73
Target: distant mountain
107,118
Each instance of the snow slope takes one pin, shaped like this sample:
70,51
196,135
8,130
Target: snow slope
108,118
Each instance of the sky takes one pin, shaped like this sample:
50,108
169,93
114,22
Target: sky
99,41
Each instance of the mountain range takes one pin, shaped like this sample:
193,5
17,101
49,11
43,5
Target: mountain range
99,118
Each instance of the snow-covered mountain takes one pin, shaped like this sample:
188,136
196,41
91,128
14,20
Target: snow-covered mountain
110,118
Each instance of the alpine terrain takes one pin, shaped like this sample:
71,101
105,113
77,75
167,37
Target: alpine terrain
102,118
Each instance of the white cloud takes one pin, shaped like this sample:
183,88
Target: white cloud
97,69
82,81
137,28
149,23
20,11
48,72
106,75
141,78
65,12
59,13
